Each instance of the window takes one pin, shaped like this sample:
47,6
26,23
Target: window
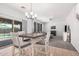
40,27
6,26
53,27
17,26
37,27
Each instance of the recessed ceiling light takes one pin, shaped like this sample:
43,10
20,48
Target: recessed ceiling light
23,7
50,19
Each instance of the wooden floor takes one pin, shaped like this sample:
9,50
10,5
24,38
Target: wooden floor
54,51
62,52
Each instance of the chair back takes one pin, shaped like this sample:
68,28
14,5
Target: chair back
47,43
18,41
15,38
21,32
47,38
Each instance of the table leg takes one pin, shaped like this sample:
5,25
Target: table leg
32,48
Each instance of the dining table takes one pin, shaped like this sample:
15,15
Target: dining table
35,37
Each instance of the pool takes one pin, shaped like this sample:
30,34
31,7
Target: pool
5,43
5,36
5,39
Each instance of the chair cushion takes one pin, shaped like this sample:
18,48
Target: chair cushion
41,42
26,40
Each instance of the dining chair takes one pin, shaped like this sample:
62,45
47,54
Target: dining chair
21,33
43,45
19,43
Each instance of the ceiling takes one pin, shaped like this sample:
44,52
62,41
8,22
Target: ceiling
45,11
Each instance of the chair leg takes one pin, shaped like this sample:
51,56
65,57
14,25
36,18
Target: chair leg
20,51
13,50
47,52
23,52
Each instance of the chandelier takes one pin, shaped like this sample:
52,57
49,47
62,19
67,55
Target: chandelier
31,15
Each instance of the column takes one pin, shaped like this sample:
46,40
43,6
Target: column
29,26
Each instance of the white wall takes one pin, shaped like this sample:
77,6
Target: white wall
59,26
10,12
74,25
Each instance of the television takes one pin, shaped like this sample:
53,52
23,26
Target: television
53,27
65,28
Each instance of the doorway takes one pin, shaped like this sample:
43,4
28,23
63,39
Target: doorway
69,34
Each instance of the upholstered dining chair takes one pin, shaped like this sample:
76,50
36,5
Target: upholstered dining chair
21,33
19,43
42,46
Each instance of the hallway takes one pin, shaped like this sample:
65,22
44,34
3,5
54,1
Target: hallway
59,43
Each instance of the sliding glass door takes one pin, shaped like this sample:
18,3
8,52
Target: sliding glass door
6,26
37,27
17,26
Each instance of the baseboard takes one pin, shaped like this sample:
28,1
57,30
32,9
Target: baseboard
74,46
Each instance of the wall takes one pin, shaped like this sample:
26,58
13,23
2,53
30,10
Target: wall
59,26
74,25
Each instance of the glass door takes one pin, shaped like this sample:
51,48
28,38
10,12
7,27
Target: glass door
6,26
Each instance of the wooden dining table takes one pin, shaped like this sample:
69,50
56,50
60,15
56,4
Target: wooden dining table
35,37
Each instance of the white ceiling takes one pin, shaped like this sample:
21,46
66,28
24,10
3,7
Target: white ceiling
46,10
19,5
56,10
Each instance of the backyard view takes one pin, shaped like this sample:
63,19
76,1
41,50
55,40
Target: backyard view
5,29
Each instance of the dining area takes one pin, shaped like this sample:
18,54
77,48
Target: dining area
30,29
26,37
24,42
